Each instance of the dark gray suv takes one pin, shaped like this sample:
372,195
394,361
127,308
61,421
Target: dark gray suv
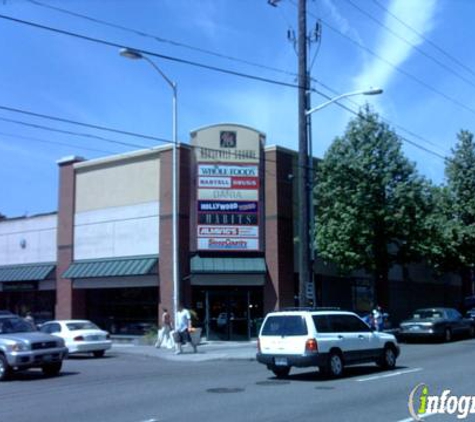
23,347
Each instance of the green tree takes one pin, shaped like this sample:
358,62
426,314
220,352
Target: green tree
371,203
455,215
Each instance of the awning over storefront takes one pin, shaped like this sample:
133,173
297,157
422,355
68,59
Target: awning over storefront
113,267
228,271
201,265
28,272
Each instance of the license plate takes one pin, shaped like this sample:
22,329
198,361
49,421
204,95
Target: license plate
281,362
415,328
47,358
93,338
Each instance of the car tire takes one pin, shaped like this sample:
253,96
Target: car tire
52,369
334,366
447,335
281,371
5,370
471,332
99,353
388,359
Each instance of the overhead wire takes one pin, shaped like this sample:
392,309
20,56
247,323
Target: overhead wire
415,47
165,57
44,141
427,40
393,66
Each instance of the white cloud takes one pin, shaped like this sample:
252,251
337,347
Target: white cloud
416,14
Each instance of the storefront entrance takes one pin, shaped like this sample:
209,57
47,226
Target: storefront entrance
229,314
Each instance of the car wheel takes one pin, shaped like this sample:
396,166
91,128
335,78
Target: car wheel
5,369
447,335
52,369
471,332
334,368
281,371
388,360
99,353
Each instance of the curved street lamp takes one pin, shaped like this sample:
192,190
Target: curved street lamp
136,55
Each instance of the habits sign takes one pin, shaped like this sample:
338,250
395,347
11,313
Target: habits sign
228,188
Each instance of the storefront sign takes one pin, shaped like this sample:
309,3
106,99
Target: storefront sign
228,179
20,286
215,182
235,194
228,219
227,231
227,206
227,170
228,244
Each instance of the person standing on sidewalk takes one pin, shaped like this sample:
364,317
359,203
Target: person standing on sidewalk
182,329
164,333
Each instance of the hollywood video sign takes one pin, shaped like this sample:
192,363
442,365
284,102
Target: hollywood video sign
228,183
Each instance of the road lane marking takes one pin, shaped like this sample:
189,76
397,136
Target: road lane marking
424,415
392,374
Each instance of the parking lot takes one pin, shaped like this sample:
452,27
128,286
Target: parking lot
134,388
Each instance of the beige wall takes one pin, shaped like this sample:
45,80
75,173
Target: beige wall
120,181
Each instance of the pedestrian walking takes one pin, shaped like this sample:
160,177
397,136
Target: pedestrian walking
164,334
182,329
378,321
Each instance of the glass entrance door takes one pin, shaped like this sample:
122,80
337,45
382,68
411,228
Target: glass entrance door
227,315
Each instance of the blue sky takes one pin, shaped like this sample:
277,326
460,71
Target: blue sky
418,51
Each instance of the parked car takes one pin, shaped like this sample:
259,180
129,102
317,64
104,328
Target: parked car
22,347
471,314
80,336
439,323
326,339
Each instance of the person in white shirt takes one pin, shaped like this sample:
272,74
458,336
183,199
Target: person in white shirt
182,327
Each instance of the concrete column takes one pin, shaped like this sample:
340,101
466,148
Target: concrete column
279,288
69,303
165,232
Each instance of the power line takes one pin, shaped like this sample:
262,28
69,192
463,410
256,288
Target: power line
69,132
386,120
397,68
44,141
415,47
153,54
427,40
161,39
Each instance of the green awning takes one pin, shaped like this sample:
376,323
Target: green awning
201,265
115,267
29,272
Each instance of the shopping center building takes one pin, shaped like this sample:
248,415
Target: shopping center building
107,253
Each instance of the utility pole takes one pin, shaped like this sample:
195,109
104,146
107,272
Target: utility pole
303,161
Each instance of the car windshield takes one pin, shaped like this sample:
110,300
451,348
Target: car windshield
427,314
82,325
15,325
285,326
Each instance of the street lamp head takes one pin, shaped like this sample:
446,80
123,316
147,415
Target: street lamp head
129,53
373,91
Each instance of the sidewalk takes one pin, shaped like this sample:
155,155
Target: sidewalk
207,351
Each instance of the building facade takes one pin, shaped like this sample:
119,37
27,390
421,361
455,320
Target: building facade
107,253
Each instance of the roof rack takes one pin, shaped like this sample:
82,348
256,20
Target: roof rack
312,308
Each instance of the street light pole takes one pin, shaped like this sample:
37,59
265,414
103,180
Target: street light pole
375,91
136,55
303,210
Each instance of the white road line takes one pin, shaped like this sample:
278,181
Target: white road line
391,374
425,415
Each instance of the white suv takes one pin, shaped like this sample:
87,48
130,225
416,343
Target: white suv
328,339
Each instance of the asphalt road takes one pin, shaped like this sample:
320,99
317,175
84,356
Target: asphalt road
125,388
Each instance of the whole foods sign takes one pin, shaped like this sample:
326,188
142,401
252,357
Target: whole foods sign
228,188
